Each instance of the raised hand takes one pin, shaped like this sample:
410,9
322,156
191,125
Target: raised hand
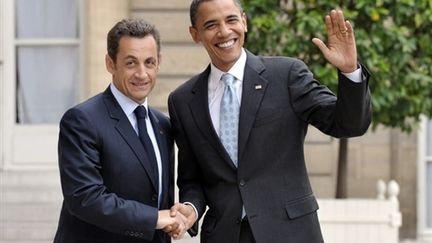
341,49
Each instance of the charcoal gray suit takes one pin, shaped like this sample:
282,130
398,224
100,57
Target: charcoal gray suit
280,98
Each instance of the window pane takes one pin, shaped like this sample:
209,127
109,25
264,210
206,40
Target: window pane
47,83
47,18
429,195
429,138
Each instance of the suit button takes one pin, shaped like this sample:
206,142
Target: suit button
154,197
242,183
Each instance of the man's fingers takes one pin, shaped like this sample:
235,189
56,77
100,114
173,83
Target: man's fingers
167,229
341,22
179,232
350,29
334,20
329,25
320,44
175,208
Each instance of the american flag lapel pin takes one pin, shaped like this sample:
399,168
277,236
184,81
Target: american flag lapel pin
258,86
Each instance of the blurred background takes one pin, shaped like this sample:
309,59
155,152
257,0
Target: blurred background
52,57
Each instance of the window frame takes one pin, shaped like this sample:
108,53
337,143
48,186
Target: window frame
2,17
423,159
28,146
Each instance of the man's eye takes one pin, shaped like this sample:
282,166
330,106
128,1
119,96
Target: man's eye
232,20
209,26
151,63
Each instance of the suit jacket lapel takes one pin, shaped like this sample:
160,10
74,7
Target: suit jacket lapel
200,111
161,139
125,129
254,86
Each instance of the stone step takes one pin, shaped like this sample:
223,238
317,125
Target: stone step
31,241
30,178
30,203
29,212
28,231
30,194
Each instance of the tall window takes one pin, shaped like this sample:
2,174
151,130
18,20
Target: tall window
429,174
47,38
424,212
41,78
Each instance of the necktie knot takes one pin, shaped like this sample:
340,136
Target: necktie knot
140,112
228,79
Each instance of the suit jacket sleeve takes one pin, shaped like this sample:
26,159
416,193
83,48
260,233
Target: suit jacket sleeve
85,195
188,171
347,115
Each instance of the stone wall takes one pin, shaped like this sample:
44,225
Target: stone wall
181,57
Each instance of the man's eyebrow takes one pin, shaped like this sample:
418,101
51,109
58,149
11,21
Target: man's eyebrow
130,57
233,16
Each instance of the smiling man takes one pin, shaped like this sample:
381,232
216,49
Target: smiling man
116,152
240,126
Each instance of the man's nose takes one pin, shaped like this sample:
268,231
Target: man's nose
224,30
141,72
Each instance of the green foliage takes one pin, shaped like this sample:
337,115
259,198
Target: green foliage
394,40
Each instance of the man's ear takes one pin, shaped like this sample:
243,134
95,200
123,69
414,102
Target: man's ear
109,63
194,34
159,61
244,19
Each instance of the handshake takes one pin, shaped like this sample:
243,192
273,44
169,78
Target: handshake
176,221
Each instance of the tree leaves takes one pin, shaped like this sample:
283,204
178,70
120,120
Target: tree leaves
394,40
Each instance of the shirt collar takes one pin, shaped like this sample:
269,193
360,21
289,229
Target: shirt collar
237,70
127,104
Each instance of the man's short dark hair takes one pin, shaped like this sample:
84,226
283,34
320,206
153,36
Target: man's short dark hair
138,28
194,9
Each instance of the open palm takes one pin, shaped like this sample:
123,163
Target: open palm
340,50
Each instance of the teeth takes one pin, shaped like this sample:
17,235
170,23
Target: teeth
226,44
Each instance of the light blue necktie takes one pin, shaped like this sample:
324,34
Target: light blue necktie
229,117
229,120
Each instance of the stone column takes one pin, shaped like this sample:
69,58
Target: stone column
100,16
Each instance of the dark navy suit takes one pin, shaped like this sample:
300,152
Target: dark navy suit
110,193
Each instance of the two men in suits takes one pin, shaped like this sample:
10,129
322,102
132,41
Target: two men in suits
261,191
117,179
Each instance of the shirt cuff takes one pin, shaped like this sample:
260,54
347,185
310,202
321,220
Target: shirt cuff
355,76
194,208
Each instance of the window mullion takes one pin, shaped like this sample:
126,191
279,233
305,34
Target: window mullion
47,42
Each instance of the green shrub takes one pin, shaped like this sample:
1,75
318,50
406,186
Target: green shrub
394,40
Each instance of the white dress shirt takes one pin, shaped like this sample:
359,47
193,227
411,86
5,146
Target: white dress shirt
128,106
